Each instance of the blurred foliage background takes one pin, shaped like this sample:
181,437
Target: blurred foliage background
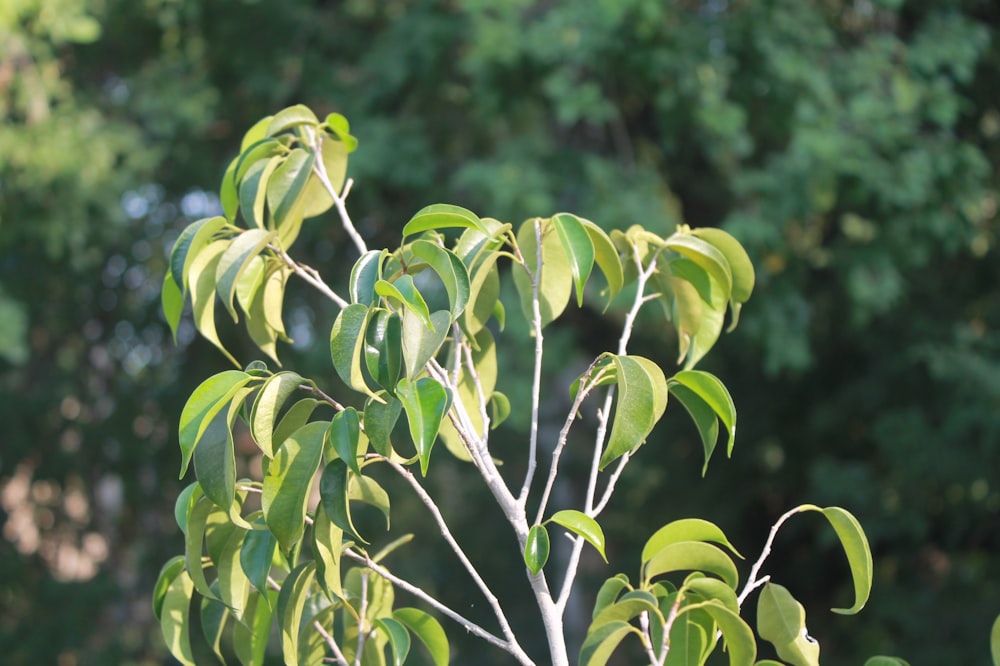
851,144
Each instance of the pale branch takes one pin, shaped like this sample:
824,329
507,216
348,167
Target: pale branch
319,393
331,643
470,367
536,380
647,638
612,481
319,168
752,581
582,392
362,630
470,626
456,548
310,275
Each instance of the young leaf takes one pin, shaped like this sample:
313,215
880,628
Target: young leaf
175,621
235,260
289,480
344,435
713,393
442,216
583,525
428,630
202,276
536,548
600,644
691,556
295,591
554,276
686,529
739,263
859,553
425,402
271,397
642,398
399,638
338,124
781,621
579,249
290,118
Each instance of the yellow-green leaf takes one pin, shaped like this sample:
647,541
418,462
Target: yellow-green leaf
288,482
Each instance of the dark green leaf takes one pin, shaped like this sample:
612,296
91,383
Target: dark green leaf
536,548
428,630
289,480
334,485
366,272
704,417
384,348
406,293
642,398
450,269
344,435
579,249
425,402
256,555
380,418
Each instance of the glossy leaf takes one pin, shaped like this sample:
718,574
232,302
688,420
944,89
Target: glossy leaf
582,525
215,458
536,548
739,264
343,435
421,343
290,118
288,482
173,567
704,417
235,260
384,348
366,272
189,244
253,191
316,199
347,341
579,249
327,545
368,490
339,125
692,637
262,150
172,301
600,644
250,637
296,417
194,543
781,620
609,593
269,401
705,255
399,638
606,257
234,586
264,321
286,185
406,293
740,643
554,277
859,554
425,402
428,630
450,269
334,486
686,529
202,276
629,606
175,623
442,216
185,499
691,556
256,556
642,398
380,418
292,599
713,393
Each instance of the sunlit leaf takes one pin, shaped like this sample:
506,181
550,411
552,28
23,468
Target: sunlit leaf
425,402
228,196
642,398
442,216
366,272
286,185
609,592
292,599
706,255
234,586
739,263
212,618
740,643
288,482
175,621
995,641
168,573
212,396
235,260
194,543
859,553
555,281
343,437
713,393
536,548
428,630
290,118
421,343
215,457
583,525
384,348
189,244
600,644
327,544
368,490
406,293
579,249
691,556
686,529
781,620
202,276
271,397
347,341
628,606
606,257
338,124
450,269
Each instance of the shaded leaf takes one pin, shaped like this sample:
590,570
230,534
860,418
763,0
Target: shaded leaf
292,599
425,402
600,644
344,434
642,398
347,341
366,272
450,269
212,396
173,567
610,590
536,548
288,482
256,555
334,486
421,343
399,638
172,301
327,544
606,257
251,636
406,293
737,634
368,490
579,249
290,118
175,623
713,393
380,418
781,620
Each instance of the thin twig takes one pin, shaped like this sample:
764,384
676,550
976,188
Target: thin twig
319,168
319,393
536,381
310,275
362,630
431,505
467,624
752,581
331,642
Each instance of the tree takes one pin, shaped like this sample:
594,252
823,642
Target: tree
415,336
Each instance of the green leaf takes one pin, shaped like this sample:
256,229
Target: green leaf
292,599
583,525
249,282
368,490
705,255
215,456
253,191
642,398
172,301
499,409
579,249
168,573
250,637
399,638
606,257
713,393
882,660
338,124
212,396
713,588
235,260
739,264
264,318
380,418
859,553
425,402
691,556
629,606
347,342
286,186
404,291
189,244
234,586
257,132
704,417
555,282
327,545
484,294
290,118
781,621
366,272
175,623
316,199
686,529
384,348
212,617
428,630
256,555
296,417
228,196
600,644
271,397
334,486
442,216
739,637
289,480
536,548
609,593
182,506
202,276
262,150
420,342
194,540
692,637
450,269
344,435
995,641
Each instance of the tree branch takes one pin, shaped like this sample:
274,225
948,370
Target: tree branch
310,275
319,168
536,381
752,581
